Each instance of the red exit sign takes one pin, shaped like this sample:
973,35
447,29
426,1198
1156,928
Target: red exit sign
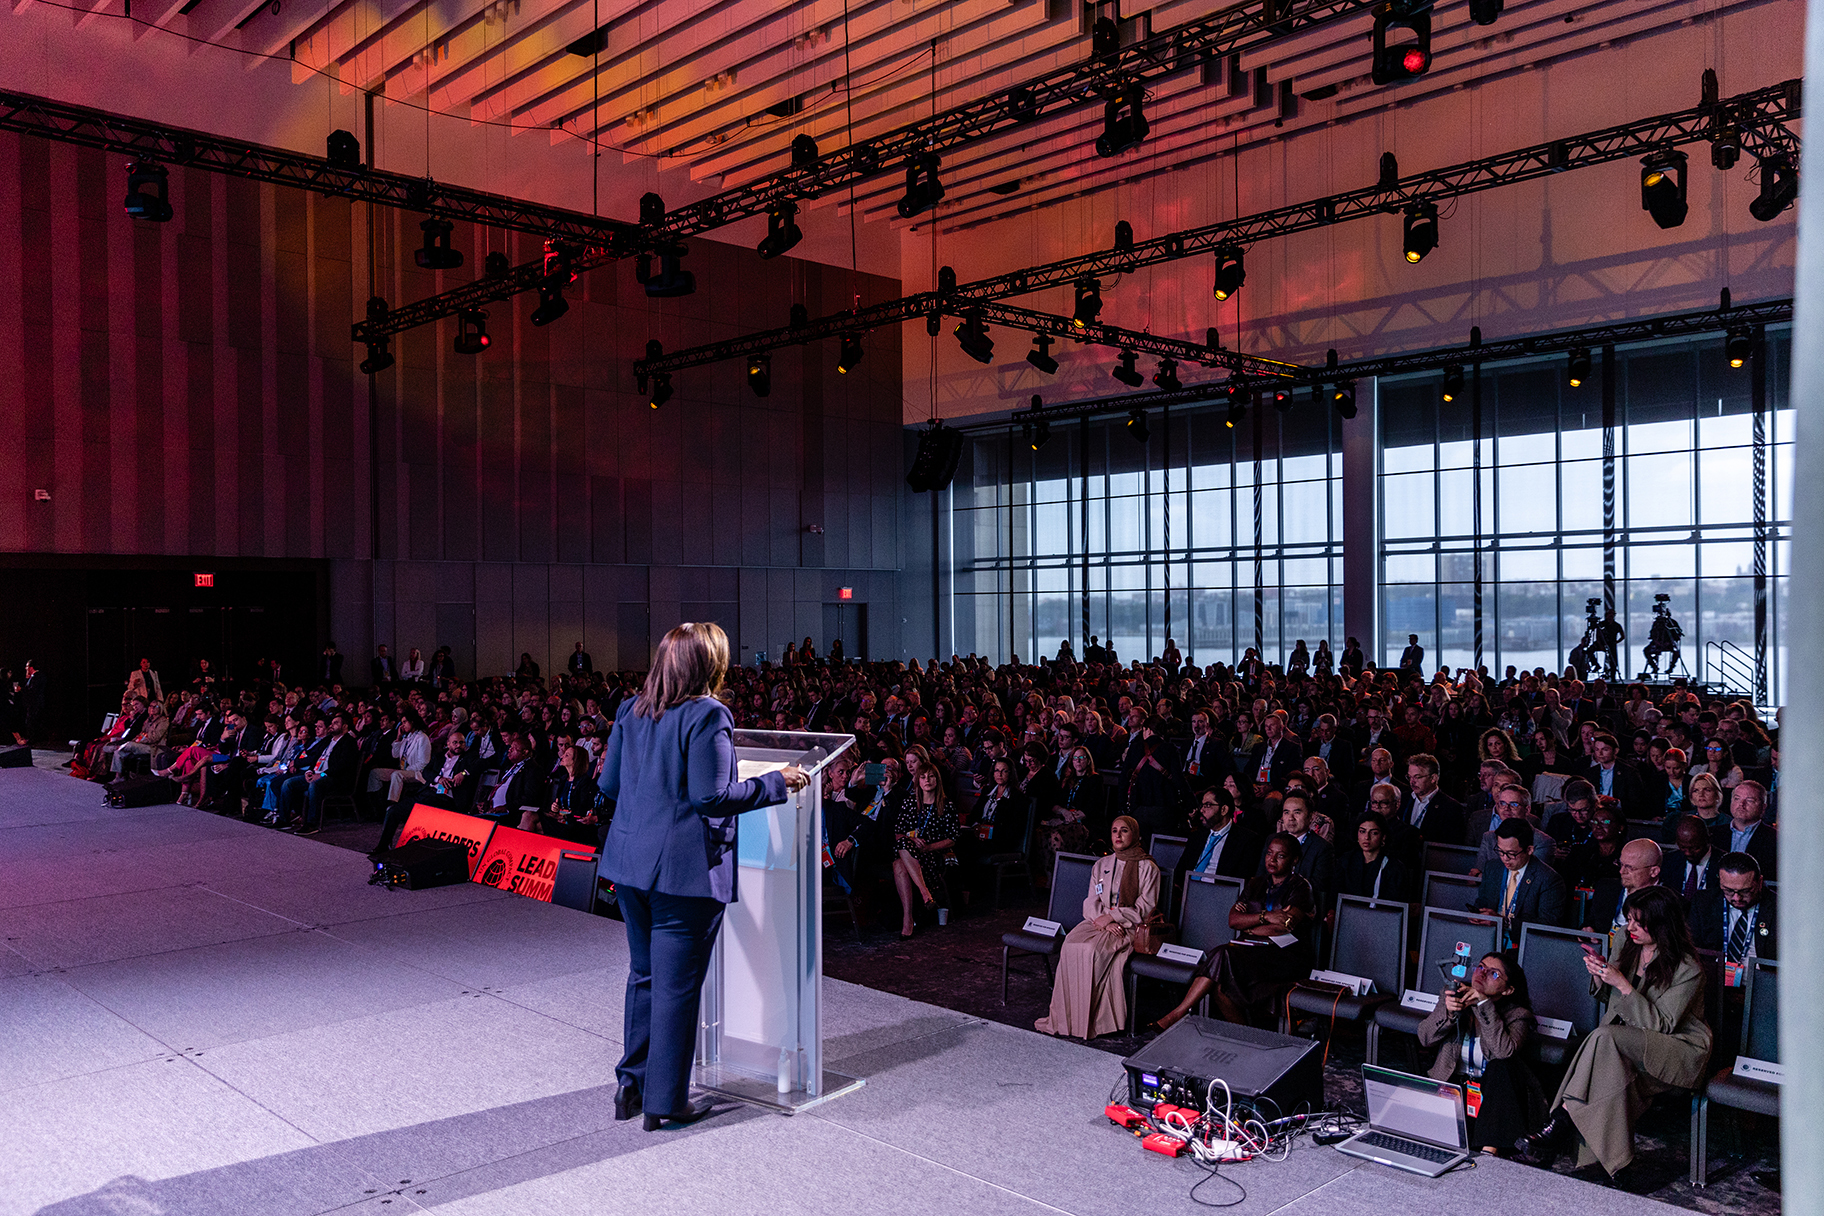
205,579
845,593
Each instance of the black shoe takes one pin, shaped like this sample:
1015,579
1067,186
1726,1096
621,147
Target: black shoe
692,1112
626,1103
1543,1146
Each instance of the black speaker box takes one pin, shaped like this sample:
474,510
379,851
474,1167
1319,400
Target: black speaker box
1181,1065
145,790
15,757
426,862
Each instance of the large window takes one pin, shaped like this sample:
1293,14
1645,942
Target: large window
1219,538
1681,520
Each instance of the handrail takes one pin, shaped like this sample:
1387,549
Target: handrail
1734,663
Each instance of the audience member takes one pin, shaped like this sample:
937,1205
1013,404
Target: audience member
1522,890
1479,1029
1089,996
1736,916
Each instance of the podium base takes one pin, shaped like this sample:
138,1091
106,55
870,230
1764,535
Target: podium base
755,1090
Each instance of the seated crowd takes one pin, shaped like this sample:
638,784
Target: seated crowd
1650,818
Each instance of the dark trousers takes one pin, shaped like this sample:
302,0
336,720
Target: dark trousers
398,812
301,795
669,938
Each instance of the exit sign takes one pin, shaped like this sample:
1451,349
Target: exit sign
205,579
845,593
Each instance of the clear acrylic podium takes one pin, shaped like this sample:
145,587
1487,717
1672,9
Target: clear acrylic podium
760,1029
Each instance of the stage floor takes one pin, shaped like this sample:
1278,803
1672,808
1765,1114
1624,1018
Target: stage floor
208,1017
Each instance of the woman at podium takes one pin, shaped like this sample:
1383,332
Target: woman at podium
670,852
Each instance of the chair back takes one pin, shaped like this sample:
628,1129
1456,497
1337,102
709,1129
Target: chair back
1167,852
1369,940
1444,889
1761,1011
1548,787
1223,892
575,883
1553,961
1641,829
1069,888
1443,929
1449,858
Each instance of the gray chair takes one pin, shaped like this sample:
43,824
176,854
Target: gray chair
1450,858
1069,888
1441,930
1167,852
1560,985
1018,862
1369,940
1205,927
1760,1041
574,886
1448,889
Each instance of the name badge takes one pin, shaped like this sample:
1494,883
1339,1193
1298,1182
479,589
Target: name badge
1356,984
1554,1028
1042,927
1098,888
1423,1002
1181,954
1760,1070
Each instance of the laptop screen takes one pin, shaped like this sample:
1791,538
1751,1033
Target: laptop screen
1418,1107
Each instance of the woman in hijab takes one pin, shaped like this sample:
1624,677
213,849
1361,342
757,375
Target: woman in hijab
1089,999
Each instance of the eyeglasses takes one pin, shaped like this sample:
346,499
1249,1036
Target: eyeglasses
1492,972
1510,803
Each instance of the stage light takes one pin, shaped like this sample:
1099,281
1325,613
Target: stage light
1662,187
1421,231
1104,38
851,353
934,464
1739,346
344,150
379,358
1124,123
1402,41
672,280
1453,383
1036,430
551,305
1238,406
1137,430
437,254
1485,12
661,389
1342,399
782,231
1231,271
760,374
804,153
472,332
1040,355
1126,372
1088,305
496,265
923,189
1166,377
1779,186
1577,370
144,176
1725,149
1283,400
972,336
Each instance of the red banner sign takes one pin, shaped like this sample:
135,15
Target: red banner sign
524,863
440,824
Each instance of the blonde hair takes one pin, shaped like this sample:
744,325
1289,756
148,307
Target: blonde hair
692,662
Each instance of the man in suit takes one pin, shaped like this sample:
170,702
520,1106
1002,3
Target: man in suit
1206,760
451,783
382,667
1377,731
331,771
1316,861
1380,772
1611,776
329,666
1435,816
1738,915
1747,831
522,784
1327,797
1512,801
1217,844
580,662
1412,659
1640,865
1277,756
1692,868
1337,752
31,705
1521,890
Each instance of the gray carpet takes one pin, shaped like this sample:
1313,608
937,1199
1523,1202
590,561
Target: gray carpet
209,1017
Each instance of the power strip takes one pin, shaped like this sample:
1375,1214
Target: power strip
1226,1150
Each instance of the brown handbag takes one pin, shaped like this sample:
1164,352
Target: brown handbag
1150,934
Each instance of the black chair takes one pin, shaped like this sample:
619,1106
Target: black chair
1448,889
1019,861
1167,852
574,886
1205,927
1069,888
1450,858
1442,929
1560,984
1641,829
1369,940
1760,1041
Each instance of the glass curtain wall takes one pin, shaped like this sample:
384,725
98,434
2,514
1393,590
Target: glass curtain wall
1682,520
1219,538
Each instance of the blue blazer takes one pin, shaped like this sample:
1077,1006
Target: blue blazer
676,797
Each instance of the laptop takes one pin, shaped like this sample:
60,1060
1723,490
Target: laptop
1414,1123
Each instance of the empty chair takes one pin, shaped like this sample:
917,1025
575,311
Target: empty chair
1369,940
1069,888
1167,852
1447,889
1760,1041
1449,858
1205,927
574,886
1441,930
1560,984
1017,862
1642,829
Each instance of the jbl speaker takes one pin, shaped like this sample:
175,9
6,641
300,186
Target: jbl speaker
15,757
1181,1065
